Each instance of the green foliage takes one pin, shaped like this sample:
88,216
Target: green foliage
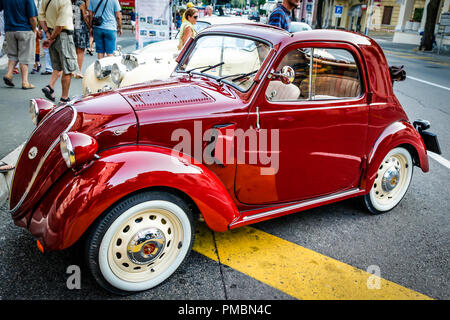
418,13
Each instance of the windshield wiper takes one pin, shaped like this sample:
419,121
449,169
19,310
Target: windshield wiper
205,68
237,75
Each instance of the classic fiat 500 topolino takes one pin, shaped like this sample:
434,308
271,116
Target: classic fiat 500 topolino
253,124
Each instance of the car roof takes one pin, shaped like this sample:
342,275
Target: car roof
277,35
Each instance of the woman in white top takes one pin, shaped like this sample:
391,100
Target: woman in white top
187,28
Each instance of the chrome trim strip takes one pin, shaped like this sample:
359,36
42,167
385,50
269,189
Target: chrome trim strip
42,161
302,204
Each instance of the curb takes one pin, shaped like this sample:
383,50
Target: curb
6,179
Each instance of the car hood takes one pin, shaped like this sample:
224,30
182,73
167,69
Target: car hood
179,92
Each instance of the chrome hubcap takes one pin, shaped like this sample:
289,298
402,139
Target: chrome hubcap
146,246
390,178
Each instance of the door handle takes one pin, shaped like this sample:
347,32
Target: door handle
258,125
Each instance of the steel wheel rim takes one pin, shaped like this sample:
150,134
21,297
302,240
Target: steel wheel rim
392,180
162,219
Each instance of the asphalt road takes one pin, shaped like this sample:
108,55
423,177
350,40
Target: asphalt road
409,244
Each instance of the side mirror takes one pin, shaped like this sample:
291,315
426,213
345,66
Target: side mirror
286,76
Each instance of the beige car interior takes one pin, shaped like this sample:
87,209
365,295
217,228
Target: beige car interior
334,75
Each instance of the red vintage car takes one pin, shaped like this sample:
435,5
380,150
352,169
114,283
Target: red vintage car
254,123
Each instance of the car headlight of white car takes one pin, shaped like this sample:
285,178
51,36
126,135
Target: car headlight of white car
102,69
130,61
117,73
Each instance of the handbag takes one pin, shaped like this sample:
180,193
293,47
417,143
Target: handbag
97,21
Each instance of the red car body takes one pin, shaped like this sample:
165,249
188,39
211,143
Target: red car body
135,151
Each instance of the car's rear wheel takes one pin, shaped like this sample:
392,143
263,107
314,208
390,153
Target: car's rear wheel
140,242
392,181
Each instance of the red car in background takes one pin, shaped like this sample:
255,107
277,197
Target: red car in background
254,123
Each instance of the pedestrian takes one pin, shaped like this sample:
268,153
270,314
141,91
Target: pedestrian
2,34
188,6
281,16
20,34
37,58
106,21
187,28
48,62
4,167
80,32
56,20
178,19
133,19
209,11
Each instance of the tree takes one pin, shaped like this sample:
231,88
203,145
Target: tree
319,15
430,22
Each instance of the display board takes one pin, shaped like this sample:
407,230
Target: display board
153,21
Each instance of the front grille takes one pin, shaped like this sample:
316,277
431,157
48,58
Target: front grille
38,158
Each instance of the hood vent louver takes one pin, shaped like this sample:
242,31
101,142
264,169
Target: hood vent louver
169,97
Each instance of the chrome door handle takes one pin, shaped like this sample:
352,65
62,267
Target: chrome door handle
258,126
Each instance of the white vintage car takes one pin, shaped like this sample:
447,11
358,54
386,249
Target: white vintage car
154,61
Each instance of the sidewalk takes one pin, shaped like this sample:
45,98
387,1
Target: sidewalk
385,41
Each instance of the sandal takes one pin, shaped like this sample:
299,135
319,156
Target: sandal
48,92
3,165
8,81
27,86
36,69
62,100
46,73
90,52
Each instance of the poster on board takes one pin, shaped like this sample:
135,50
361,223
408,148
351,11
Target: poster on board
153,21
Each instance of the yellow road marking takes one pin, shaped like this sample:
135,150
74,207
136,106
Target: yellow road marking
295,270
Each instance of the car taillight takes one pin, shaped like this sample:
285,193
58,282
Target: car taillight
77,148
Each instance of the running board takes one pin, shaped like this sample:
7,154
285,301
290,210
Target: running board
249,217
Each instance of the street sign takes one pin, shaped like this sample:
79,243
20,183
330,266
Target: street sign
338,11
309,7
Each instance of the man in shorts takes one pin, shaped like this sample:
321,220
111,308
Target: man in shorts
105,34
20,34
56,20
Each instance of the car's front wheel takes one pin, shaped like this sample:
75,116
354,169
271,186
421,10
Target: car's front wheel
392,181
140,242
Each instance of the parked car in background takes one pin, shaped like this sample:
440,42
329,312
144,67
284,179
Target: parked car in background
154,61
129,172
299,26
254,15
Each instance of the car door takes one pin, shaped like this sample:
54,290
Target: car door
315,127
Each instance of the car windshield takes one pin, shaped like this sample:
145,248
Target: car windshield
238,59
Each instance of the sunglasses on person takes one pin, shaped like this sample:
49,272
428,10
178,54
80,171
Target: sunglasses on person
195,17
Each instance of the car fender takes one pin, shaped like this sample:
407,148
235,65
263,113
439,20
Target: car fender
78,199
396,134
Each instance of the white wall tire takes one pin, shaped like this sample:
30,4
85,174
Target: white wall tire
140,242
392,181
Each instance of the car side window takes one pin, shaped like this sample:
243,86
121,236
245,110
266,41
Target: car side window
320,74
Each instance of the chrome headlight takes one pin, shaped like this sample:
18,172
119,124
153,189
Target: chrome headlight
130,61
67,150
117,73
34,111
102,69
